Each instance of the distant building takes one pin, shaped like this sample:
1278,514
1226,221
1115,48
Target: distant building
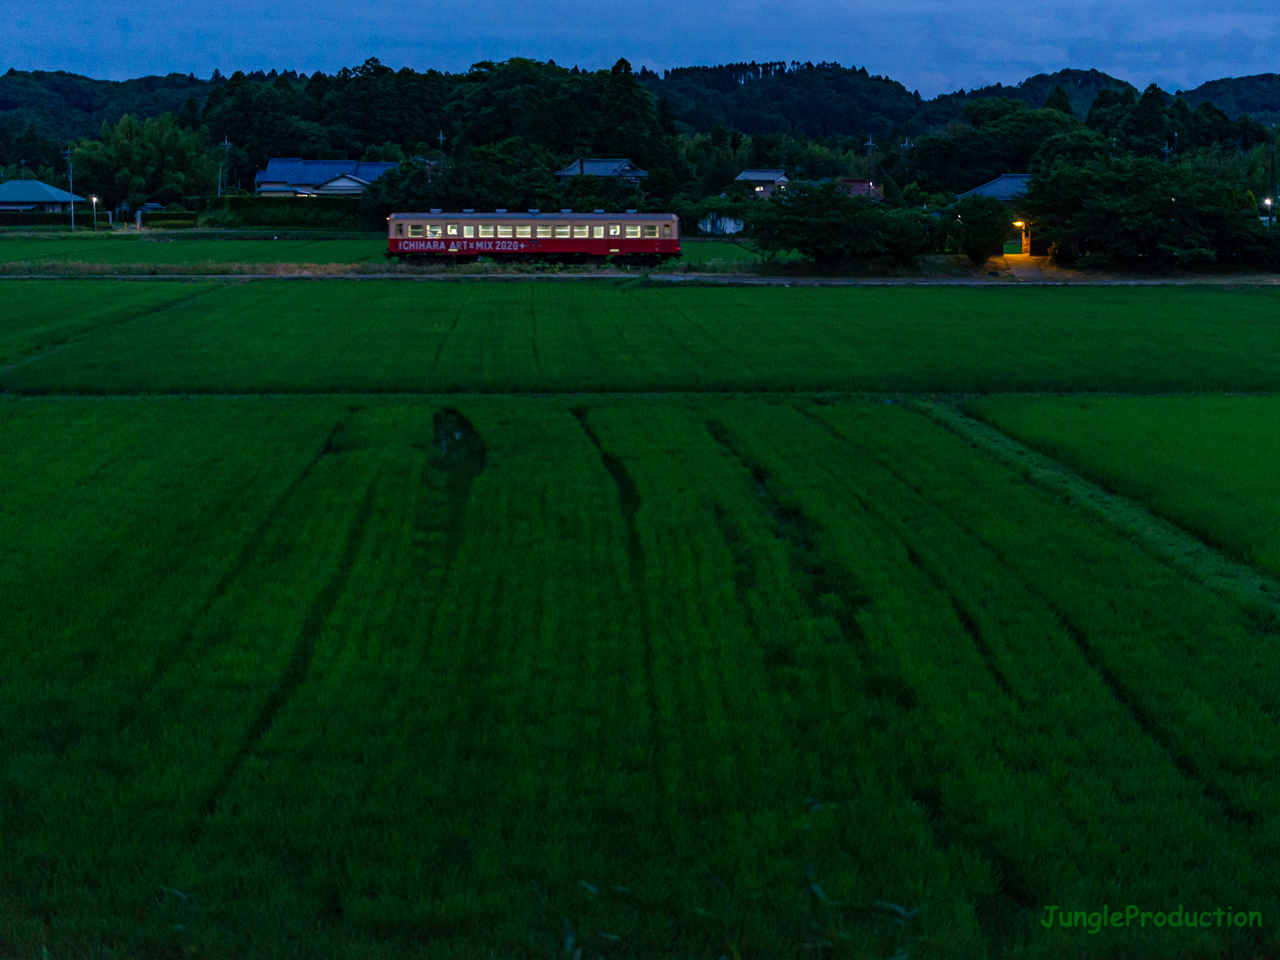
618,167
32,196
294,177
764,182
862,188
1008,187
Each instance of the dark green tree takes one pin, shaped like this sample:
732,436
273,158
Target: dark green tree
981,226
1058,100
1077,147
140,161
832,228
1139,211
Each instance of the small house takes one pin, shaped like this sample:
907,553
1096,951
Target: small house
619,167
32,196
1010,188
294,177
764,182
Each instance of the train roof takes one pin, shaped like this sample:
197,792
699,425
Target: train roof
556,215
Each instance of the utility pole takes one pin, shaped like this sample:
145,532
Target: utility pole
1271,200
1166,151
906,161
441,138
226,148
71,183
1175,144
871,148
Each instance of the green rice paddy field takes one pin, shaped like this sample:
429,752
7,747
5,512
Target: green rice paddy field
585,620
186,250
200,250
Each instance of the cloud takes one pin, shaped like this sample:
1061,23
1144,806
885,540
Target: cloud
927,44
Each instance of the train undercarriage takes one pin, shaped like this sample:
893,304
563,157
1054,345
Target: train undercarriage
565,259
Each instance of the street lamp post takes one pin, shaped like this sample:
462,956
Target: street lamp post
95,213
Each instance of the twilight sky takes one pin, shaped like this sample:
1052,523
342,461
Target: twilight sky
933,45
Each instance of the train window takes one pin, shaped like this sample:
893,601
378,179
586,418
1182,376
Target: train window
415,229
615,230
651,230
598,230
486,229
452,230
504,230
399,229
581,230
544,229
433,229
525,230
666,229
633,230
562,230
468,231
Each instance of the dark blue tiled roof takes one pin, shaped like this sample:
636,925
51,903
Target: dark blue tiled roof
293,170
603,167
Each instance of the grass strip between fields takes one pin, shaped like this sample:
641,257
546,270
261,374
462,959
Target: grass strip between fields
1207,565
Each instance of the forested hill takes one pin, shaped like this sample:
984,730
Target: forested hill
64,105
826,99
1258,96
40,111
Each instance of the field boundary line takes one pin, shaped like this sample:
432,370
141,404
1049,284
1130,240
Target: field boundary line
101,328
1171,543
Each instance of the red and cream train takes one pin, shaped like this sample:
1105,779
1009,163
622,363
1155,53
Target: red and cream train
564,237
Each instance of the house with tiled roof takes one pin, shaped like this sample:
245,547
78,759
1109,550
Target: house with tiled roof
619,167
32,196
295,177
764,182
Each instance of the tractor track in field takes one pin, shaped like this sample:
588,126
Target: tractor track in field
815,579
1132,705
1015,893
965,617
295,671
435,361
629,504
533,335
252,546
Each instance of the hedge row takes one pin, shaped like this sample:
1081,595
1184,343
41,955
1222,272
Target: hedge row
166,219
16,218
